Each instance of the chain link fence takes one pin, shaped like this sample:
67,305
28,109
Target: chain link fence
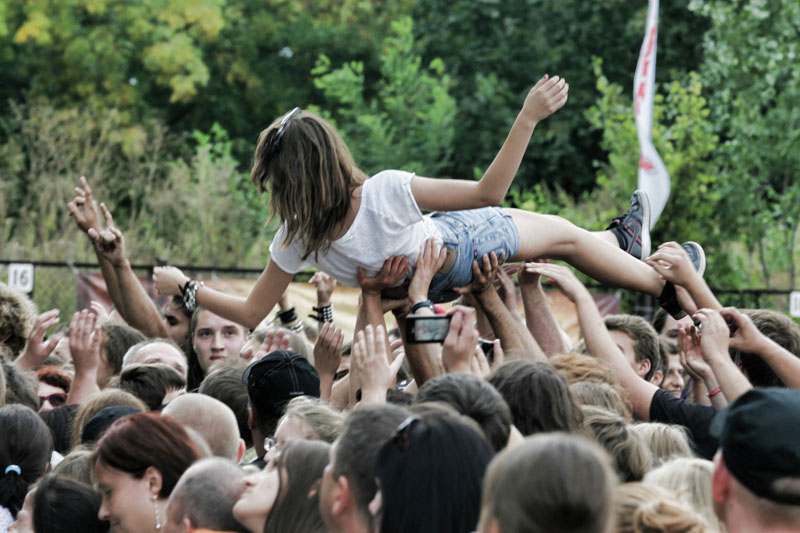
55,287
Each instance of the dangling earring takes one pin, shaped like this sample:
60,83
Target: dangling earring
158,517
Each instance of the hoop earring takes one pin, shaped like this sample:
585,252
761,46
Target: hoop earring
155,509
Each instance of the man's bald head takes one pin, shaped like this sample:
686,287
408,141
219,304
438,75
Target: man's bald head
211,418
157,351
204,497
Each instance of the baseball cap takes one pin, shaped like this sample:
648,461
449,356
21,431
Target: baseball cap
277,378
759,436
99,423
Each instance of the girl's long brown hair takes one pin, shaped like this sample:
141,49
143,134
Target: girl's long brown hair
311,177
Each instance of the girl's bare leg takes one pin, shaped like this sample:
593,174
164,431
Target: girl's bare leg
595,254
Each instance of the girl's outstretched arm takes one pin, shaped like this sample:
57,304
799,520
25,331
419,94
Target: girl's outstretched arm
246,311
544,99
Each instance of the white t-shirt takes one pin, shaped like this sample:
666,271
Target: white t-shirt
389,222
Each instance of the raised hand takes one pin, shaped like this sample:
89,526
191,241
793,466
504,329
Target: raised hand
744,335
328,350
36,349
393,272
375,374
108,242
691,354
459,345
482,277
428,263
84,342
83,208
274,340
168,280
673,264
714,333
545,98
562,277
325,285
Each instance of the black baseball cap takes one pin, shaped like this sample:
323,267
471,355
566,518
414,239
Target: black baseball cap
759,437
99,423
277,378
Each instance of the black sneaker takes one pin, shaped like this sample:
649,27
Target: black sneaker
697,255
632,228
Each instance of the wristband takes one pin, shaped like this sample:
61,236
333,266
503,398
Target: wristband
420,305
714,392
288,316
190,294
297,328
324,313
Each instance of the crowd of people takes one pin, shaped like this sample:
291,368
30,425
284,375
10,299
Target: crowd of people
207,415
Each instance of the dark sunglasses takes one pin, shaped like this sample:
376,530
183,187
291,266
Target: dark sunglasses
283,125
57,399
402,437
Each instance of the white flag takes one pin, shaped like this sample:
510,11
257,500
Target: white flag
653,175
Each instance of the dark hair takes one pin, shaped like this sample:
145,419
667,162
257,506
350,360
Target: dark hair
294,510
60,421
63,505
364,432
551,483
659,320
645,338
451,458
53,376
195,373
781,329
474,398
225,384
135,442
117,339
538,396
22,387
25,442
150,383
311,176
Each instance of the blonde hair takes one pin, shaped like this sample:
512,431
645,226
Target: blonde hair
666,441
632,458
325,423
646,508
578,367
311,177
690,479
603,395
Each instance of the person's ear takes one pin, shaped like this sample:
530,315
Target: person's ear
250,419
644,367
241,450
187,524
720,480
340,496
154,480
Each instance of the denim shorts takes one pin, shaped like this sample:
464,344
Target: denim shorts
471,234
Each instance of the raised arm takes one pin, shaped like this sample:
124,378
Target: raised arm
83,209
598,341
538,315
135,304
714,340
544,99
248,311
747,338
673,264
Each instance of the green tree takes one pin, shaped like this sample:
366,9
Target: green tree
406,120
753,88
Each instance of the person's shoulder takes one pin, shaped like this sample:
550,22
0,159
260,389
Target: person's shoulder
390,174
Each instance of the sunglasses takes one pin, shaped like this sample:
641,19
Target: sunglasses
57,399
402,437
283,125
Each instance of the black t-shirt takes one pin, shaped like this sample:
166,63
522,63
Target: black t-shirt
696,418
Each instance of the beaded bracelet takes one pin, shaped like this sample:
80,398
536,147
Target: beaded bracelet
190,294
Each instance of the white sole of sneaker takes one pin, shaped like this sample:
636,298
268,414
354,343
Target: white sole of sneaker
701,266
645,235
